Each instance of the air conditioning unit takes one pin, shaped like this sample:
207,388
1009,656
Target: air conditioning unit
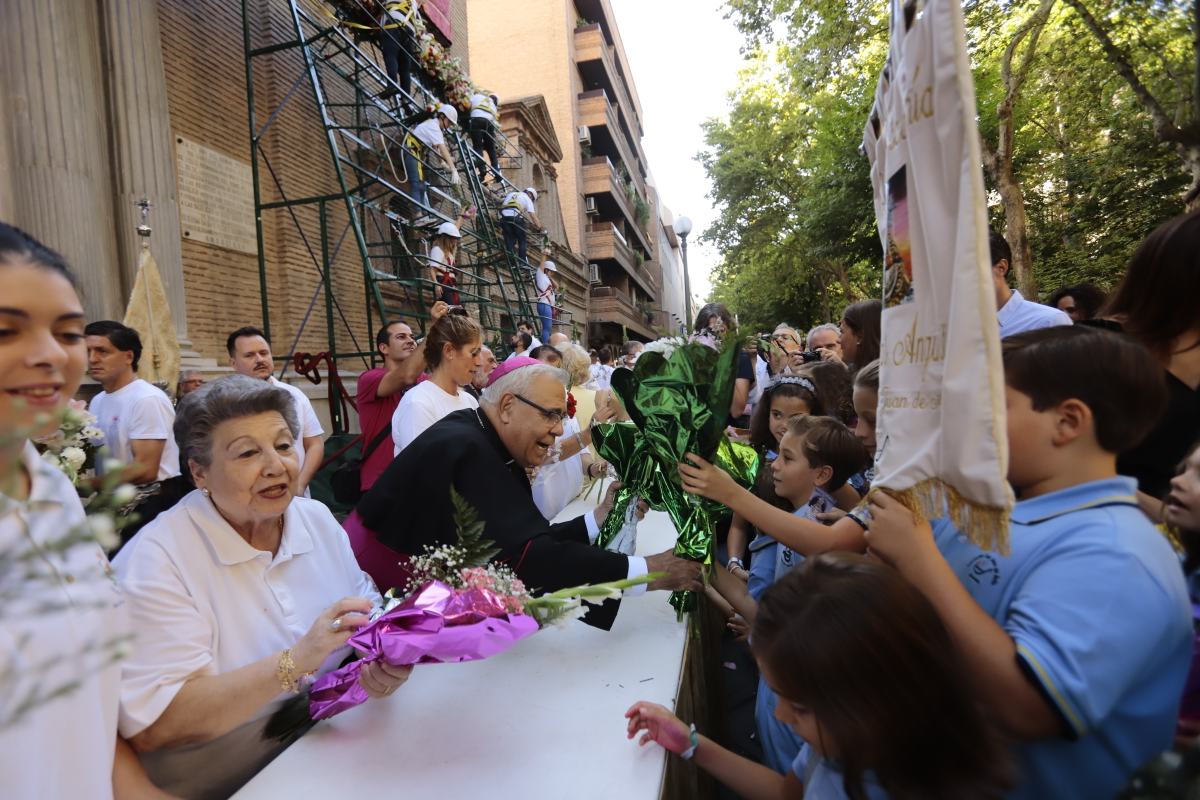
585,135
589,204
593,273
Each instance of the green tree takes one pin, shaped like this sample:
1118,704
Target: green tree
797,228
1074,152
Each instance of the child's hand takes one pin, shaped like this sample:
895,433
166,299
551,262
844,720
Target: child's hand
831,516
702,478
740,628
894,535
660,726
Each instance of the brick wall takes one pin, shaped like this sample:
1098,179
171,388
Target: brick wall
458,22
206,80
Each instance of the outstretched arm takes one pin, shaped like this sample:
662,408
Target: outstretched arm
802,535
405,376
1018,707
746,778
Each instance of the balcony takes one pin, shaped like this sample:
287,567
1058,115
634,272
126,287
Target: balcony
613,305
600,178
597,61
606,242
596,111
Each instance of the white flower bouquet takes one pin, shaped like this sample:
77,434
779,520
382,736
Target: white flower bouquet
74,446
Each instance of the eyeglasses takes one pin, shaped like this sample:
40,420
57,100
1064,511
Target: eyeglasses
550,415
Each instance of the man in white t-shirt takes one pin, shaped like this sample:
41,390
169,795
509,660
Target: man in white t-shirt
525,326
250,354
1014,313
425,148
521,344
484,114
602,371
137,419
517,213
547,295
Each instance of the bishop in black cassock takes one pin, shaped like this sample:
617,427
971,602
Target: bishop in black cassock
410,507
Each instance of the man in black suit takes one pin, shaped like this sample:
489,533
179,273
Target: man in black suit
484,453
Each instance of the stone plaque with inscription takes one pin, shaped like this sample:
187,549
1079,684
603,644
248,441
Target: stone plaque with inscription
216,197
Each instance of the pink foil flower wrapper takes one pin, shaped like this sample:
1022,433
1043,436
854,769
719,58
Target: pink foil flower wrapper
436,624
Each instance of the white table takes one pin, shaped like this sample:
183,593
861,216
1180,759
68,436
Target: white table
542,720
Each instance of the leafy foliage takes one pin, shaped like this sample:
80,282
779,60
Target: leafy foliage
476,550
796,226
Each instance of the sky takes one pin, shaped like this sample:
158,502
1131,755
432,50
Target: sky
684,59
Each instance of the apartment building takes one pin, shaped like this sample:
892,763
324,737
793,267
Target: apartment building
570,53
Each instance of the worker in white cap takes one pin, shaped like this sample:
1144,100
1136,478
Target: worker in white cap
442,252
547,295
484,115
428,139
517,212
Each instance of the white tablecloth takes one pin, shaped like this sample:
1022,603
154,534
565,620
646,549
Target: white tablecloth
543,720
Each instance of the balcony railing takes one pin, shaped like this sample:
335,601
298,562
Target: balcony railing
605,241
596,111
599,177
590,46
610,304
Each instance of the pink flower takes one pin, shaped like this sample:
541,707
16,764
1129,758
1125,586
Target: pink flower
78,405
477,578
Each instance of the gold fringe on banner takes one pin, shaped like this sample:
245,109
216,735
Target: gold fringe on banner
932,498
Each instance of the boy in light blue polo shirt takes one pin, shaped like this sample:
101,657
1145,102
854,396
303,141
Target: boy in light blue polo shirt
1080,639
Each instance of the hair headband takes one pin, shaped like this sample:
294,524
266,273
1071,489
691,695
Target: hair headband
793,380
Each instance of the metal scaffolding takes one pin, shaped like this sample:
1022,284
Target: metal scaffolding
367,121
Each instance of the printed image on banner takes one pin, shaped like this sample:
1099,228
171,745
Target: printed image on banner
898,271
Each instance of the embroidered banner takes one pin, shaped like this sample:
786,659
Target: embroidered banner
941,435
438,13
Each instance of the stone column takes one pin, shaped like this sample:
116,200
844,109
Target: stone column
56,154
143,154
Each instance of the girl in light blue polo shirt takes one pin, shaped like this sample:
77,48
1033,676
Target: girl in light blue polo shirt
869,678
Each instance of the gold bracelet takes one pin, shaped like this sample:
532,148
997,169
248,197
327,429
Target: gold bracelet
285,670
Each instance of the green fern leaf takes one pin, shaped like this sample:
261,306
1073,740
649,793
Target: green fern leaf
477,551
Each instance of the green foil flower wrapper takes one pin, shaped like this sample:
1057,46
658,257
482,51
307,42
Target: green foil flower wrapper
678,404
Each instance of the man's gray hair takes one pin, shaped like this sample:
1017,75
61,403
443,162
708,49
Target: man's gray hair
231,397
518,382
828,326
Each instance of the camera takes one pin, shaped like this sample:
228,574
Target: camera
809,356
460,310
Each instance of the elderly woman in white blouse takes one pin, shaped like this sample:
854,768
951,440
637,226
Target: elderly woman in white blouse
239,594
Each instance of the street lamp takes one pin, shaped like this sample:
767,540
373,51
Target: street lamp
683,226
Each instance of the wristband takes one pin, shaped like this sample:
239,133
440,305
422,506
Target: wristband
686,755
735,562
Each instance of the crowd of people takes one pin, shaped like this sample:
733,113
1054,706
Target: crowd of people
895,658
1062,666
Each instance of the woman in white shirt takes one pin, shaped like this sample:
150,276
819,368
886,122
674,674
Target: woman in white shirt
240,594
61,621
443,252
559,480
453,353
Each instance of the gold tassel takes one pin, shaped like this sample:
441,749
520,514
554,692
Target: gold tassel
985,526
